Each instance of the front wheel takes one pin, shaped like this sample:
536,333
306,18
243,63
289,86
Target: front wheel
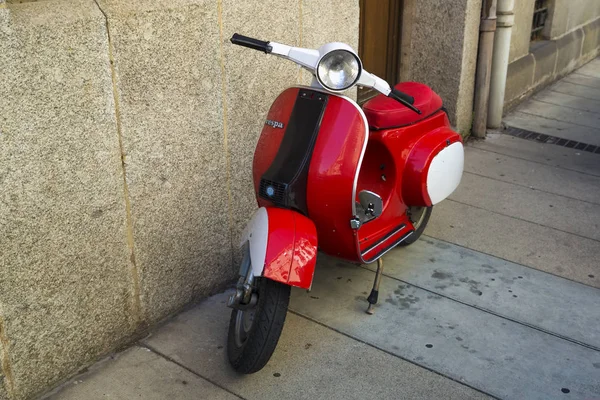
419,216
254,333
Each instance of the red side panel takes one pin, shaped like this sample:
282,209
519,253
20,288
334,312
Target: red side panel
334,164
270,137
383,172
291,249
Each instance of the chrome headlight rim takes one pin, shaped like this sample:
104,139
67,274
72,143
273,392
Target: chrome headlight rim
338,90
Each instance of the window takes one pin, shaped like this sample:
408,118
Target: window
540,14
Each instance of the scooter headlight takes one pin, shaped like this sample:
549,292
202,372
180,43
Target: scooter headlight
338,70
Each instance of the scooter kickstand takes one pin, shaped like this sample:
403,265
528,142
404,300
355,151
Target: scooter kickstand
372,299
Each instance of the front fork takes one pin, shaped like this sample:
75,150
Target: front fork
244,296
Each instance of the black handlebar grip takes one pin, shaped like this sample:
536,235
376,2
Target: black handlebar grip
405,99
251,43
401,95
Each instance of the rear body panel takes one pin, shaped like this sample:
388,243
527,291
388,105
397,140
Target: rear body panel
396,167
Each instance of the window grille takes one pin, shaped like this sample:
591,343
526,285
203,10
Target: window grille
540,14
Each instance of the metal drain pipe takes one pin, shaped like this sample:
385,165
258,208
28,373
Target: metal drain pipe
505,21
487,28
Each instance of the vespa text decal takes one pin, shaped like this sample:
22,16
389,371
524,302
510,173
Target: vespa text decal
274,124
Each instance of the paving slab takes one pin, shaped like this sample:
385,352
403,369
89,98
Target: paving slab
576,90
591,69
543,208
553,127
139,373
311,361
568,101
588,119
583,80
535,152
522,242
496,355
513,291
531,174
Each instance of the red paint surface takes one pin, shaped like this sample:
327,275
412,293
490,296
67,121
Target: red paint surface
280,244
304,257
405,155
394,166
331,174
384,112
270,137
291,248
414,185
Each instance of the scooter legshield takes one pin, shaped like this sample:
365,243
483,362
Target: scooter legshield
283,246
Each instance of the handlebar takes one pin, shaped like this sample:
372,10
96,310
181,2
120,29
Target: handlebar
405,99
309,58
251,43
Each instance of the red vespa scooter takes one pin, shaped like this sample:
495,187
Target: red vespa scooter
361,181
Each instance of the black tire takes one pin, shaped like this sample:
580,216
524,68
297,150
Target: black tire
420,228
253,353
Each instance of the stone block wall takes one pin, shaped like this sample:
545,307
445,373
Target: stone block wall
126,135
573,32
568,15
521,31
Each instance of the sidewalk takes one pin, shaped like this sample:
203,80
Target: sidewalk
500,299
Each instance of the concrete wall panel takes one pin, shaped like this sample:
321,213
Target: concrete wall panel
438,36
558,17
466,90
569,52
567,15
581,12
442,52
519,79
252,81
545,62
521,31
167,62
66,289
591,41
3,392
326,21
6,377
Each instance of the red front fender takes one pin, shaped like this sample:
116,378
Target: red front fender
291,252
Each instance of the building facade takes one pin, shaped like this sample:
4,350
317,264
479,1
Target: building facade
127,131
550,38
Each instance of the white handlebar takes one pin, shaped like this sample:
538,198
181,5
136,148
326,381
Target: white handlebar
308,58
